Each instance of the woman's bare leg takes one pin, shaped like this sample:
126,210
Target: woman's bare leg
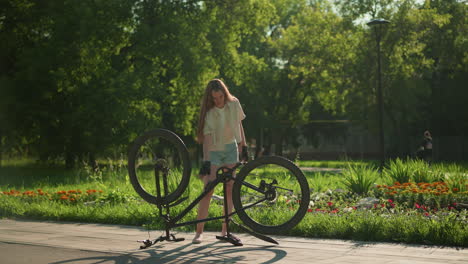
229,185
204,204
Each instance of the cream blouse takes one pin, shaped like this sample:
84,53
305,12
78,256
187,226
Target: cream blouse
223,124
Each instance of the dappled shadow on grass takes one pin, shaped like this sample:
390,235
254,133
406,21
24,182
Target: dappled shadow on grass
187,253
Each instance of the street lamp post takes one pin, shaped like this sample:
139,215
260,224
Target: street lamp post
377,25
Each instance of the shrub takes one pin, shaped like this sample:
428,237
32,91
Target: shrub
457,179
398,171
360,178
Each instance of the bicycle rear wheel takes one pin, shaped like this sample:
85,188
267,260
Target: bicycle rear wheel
271,195
157,154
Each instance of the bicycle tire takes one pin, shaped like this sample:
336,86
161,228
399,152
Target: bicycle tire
247,173
171,139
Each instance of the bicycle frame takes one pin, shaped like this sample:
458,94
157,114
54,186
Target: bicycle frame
223,174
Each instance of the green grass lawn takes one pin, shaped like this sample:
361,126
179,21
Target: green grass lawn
334,213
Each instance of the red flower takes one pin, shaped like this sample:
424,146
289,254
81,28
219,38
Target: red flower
417,205
390,200
330,204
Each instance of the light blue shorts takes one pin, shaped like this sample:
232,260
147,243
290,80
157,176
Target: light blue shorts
229,155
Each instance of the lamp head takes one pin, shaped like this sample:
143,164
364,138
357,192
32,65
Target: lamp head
377,21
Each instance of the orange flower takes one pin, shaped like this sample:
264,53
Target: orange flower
455,189
64,197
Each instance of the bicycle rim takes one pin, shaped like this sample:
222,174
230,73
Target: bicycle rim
153,157
271,195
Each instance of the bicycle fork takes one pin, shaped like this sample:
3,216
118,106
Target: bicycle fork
168,236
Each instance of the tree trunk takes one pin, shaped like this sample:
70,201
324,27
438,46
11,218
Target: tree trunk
278,139
1,148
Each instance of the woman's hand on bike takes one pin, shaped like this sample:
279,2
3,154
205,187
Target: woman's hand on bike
243,153
205,169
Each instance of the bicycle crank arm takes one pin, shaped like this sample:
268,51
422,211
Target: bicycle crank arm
255,234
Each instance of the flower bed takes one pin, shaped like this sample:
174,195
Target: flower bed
68,197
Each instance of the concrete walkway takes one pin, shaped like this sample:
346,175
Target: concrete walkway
318,169
64,242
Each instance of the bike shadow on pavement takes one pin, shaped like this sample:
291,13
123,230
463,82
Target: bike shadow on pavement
216,252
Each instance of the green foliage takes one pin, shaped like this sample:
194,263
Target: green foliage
415,170
81,79
457,178
397,171
360,179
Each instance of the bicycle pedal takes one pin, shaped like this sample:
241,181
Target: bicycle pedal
174,239
231,239
147,243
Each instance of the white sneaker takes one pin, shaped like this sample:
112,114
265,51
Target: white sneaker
197,239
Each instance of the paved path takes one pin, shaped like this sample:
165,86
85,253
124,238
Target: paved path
63,242
318,169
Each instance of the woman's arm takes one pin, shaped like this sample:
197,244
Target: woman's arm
207,141
242,146
243,142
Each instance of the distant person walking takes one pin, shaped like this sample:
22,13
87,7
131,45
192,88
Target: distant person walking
425,148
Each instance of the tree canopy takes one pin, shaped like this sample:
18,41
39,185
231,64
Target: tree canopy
81,79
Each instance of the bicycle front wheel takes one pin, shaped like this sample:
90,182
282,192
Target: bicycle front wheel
271,195
159,166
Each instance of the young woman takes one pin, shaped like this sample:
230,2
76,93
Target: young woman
222,135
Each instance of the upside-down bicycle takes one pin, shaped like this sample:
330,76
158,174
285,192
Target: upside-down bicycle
270,194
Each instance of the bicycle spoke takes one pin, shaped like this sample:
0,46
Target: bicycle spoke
159,159
280,200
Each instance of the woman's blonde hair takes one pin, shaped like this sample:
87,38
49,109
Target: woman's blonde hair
207,103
